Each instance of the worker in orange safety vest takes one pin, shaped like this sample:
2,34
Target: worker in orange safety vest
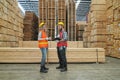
43,45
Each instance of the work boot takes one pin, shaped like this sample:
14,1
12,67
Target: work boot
63,69
42,70
59,67
46,68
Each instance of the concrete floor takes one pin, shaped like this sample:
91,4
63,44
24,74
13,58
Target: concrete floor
92,71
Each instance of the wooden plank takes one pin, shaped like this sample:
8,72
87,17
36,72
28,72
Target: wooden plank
99,25
99,32
95,7
98,45
99,38
109,3
116,14
98,2
110,15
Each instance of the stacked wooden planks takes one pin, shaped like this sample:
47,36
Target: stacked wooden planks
53,11
11,23
71,24
29,53
30,26
96,34
80,27
98,22
87,31
105,22
113,27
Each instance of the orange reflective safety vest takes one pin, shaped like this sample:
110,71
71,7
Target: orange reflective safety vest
43,43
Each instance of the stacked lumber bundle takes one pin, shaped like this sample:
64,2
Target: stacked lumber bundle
116,23
80,26
113,24
96,36
53,11
29,53
87,31
51,17
86,37
110,26
11,23
105,26
30,26
71,25
98,21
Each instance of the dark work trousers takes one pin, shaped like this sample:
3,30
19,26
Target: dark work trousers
62,56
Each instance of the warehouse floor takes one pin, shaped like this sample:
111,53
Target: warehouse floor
87,71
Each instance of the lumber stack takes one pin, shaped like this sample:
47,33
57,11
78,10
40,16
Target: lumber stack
105,22
30,26
98,21
110,27
33,55
11,23
87,31
113,21
53,11
27,52
51,17
80,55
80,26
71,24
116,23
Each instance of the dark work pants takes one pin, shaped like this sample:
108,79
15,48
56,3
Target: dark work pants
62,56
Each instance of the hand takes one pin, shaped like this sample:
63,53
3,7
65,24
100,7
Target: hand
62,40
49,38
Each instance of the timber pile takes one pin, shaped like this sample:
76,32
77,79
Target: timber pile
30,26
87,31
97,22
114,27
11,24
105,22
25,54
80,27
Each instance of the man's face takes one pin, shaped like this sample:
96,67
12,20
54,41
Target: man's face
44,27
59,27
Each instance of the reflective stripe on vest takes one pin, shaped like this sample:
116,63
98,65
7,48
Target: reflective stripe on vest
43,42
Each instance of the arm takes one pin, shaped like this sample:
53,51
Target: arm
40,36
65,36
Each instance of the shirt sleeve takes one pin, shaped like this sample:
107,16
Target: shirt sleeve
65,36
39,36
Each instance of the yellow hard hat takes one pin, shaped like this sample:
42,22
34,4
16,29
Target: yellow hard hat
41,24
61,23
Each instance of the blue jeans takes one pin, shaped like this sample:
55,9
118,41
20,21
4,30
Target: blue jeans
44,53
